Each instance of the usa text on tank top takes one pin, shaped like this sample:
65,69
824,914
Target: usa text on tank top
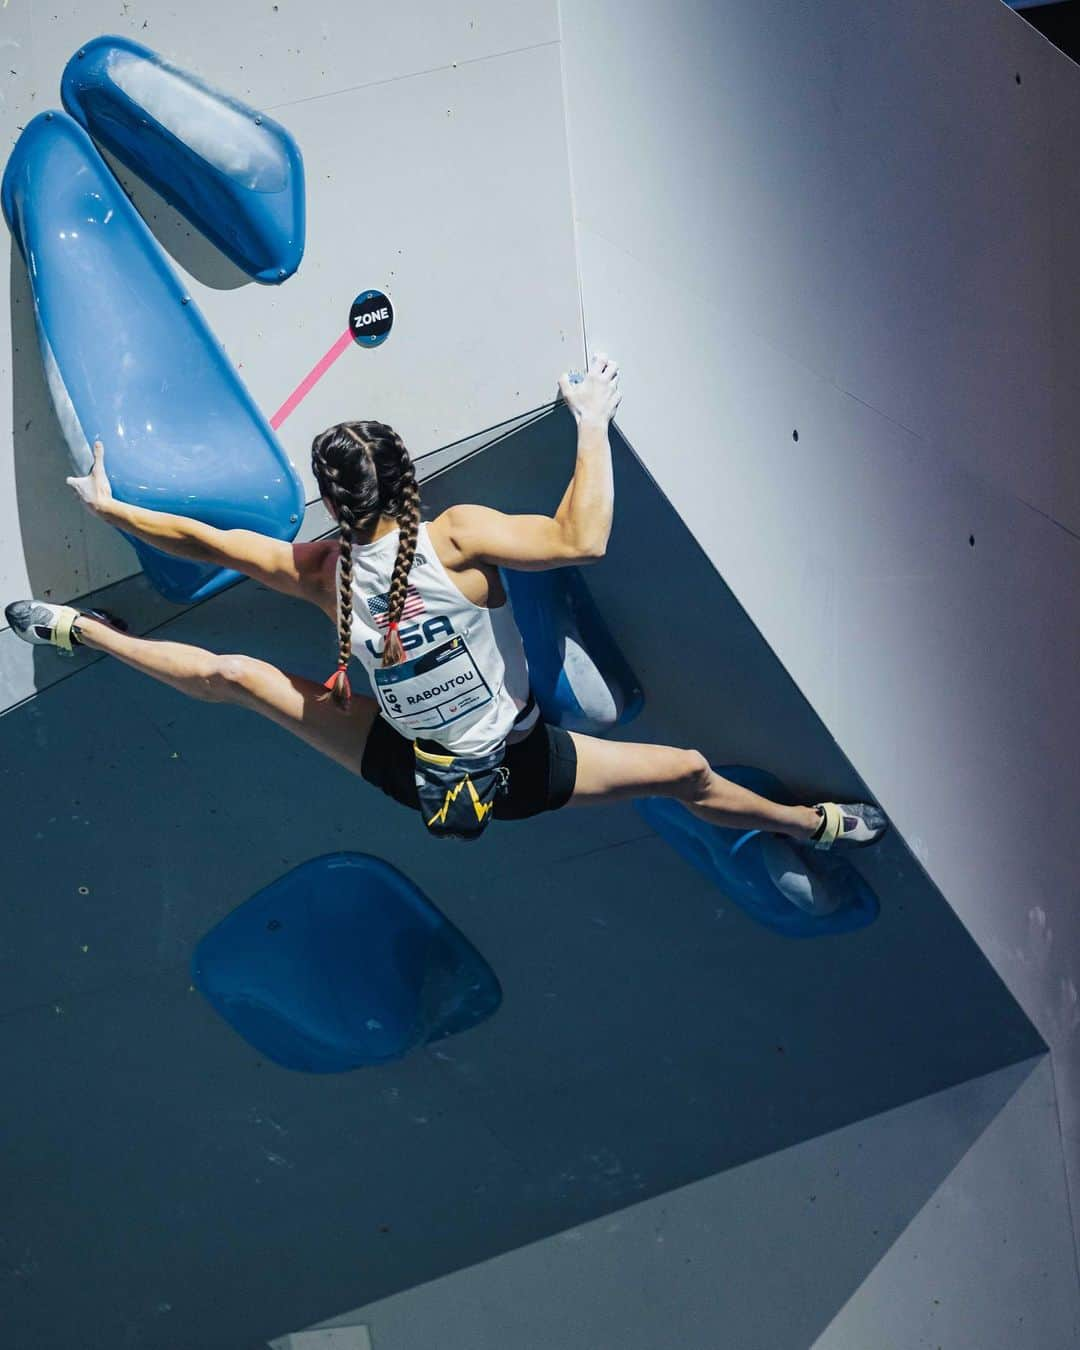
464,679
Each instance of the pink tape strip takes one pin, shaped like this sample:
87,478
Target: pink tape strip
311,379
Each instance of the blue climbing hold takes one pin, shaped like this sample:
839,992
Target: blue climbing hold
786,886
128,358
580,678
342,962
235,173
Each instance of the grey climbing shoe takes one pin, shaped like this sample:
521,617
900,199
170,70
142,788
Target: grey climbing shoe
39,622
848,825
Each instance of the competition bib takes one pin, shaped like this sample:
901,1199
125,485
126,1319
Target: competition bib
432,689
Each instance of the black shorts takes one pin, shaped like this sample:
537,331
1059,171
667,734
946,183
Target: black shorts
543,769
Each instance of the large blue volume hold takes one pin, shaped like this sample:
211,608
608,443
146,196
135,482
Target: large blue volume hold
128,358
235,173
580,678
740,864
342,962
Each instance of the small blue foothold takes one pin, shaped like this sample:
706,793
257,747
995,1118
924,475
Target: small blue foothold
779,883
580,678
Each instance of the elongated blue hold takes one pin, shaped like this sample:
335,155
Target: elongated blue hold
128,358
233,172
342,962
580,678
787,886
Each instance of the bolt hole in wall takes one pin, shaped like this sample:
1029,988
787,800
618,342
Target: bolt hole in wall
1059,22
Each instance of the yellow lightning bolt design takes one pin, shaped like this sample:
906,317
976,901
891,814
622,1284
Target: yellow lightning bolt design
452,795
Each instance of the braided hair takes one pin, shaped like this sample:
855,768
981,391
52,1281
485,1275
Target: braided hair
364,471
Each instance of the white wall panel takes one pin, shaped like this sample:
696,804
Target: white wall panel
945,269
462,216
436,170
709,160
274,51
873,246
866,187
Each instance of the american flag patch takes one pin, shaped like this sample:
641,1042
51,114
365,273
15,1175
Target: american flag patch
379,607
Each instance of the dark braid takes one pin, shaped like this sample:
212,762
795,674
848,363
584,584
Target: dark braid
364,471
346,529
408,518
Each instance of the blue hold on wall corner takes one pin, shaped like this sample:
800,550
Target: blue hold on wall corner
129,358
580,678
234,173
340,963
760,872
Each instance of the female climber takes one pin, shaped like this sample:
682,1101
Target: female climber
452,730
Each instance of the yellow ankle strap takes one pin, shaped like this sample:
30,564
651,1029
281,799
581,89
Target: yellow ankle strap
834,825
62,632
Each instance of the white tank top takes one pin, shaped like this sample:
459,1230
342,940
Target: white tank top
464,681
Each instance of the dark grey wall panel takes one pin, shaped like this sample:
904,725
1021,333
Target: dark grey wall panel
166,1187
